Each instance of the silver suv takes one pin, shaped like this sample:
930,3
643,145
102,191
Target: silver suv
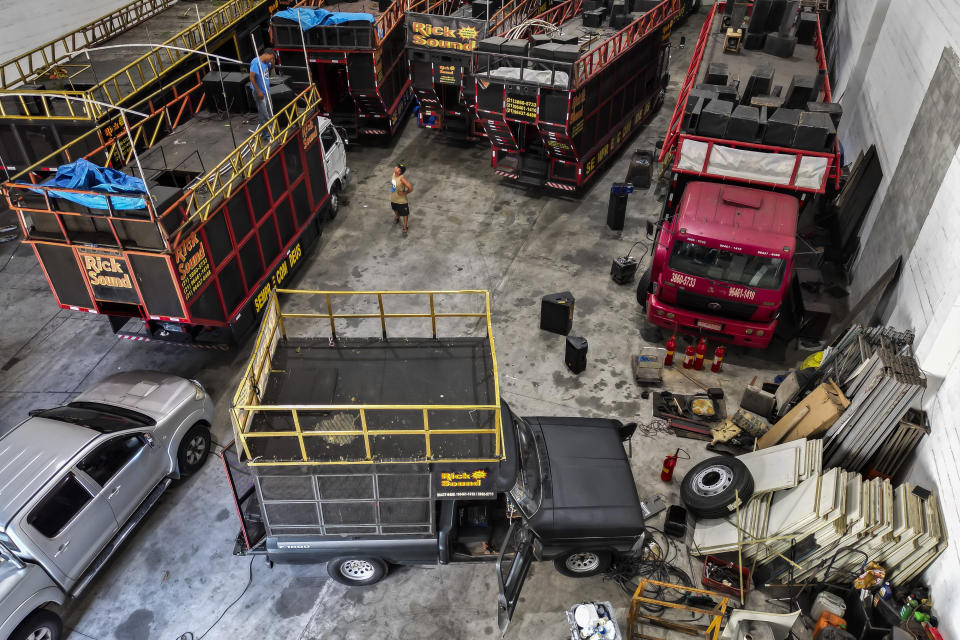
75,481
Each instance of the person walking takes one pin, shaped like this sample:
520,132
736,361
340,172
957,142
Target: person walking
400,188
260,86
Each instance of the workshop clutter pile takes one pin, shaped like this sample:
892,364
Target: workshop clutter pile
825,527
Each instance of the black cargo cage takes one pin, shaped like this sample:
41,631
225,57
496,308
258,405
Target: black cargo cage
337,400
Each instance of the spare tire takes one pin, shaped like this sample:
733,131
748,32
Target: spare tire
709,488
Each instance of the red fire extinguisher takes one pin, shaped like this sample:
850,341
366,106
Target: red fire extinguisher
671,347
670,463
718,354
688,357
701,352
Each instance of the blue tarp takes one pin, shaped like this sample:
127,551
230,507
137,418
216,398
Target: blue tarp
84,175
310,18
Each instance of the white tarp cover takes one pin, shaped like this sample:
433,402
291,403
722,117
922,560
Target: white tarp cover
745,164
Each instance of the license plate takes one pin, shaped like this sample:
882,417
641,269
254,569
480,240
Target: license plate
712,326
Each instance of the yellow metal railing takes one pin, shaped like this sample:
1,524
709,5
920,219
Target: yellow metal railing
216,185
248,402
150,66
121,85
28,66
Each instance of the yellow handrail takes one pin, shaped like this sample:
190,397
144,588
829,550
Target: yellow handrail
248,401
27,66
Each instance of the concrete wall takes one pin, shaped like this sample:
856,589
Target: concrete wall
907,60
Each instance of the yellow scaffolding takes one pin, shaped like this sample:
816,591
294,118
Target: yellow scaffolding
637,615
27,66
247,401
126,82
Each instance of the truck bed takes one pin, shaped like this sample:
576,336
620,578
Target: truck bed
444,373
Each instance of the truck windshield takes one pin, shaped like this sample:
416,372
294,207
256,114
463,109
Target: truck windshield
99,417
527,491
737,268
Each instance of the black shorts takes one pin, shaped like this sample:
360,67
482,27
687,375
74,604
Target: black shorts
402,210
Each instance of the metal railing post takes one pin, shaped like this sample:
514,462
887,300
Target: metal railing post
433,317
383,320
296,425
333,328
366,434
426,433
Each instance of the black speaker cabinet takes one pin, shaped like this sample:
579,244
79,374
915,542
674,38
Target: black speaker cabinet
576,354
623,269
717,73
760,83
807,28
640,170
234,84
815,132
556,312
780,45
617,207
714,119
744,124
782,127
800,92
593,18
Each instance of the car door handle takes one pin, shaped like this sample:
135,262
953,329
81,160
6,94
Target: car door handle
115,491
61,549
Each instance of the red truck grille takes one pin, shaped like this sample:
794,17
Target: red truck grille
715,306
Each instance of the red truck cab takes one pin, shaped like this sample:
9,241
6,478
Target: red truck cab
722,264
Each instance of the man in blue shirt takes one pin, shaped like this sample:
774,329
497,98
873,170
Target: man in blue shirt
260,85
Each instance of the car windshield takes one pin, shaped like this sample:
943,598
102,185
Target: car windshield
527,491
99,417
717,264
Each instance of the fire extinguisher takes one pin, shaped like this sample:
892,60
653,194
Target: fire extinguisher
718,354
701,352
688,357
670,463
671,347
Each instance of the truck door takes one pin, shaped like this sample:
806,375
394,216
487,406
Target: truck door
334,155
70,525
127,468
513,565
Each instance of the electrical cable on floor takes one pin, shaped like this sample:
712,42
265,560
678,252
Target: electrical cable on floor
188,635
656,562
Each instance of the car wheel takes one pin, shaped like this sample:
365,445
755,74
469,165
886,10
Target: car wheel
357,572
643,288
193,450
709,488
334,208
39,625
583,564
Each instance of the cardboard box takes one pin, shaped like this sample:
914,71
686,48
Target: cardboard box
810,418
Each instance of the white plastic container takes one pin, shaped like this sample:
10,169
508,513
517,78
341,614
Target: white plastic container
827,601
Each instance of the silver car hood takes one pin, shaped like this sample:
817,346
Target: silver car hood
153,393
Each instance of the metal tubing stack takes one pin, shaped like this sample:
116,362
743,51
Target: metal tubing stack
880,395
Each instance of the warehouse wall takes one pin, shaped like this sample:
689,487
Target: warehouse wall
907,104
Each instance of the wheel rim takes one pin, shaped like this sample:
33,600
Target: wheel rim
195,449
42,633
712,480
357,570
334,202
582,562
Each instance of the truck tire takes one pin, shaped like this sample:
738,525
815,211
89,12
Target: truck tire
39,625
334,207
583,564
643,287
357,572
709,488
193,450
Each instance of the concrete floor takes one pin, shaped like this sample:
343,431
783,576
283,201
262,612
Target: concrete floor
467,231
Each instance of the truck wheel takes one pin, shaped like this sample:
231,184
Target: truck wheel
711,486
334,207
643,287
583,564
193,450
357,572
39,625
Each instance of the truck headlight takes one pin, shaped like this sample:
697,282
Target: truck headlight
198,392
671,316
760,333
659,312
749,332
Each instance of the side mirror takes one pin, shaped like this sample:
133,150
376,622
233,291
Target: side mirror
343,134
35,412
149,439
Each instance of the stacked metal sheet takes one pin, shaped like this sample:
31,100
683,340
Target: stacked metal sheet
828,514
880,392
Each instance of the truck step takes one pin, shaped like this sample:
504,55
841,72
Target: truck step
101,560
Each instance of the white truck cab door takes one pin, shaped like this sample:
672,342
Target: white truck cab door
69,526
334,155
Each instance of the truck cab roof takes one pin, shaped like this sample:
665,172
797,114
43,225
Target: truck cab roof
755,219
31,455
